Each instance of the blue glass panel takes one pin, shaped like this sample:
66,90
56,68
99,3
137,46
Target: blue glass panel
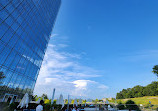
14,63
9,59
17,82
4,54
25,26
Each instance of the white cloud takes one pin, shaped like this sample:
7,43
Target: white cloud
102,86
53,35
81,84
62,71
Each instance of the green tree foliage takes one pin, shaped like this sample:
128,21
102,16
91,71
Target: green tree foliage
47,107
34,98
100,100
47,101
139,91
66,101
84,101
96,100
119,96
1,76
44,96
54,102
155,70
72,101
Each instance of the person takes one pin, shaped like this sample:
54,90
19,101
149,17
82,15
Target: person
77,108
40,107
73,109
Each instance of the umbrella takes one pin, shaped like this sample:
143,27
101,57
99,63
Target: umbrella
57,102
24,102
61,100
75,102
70,100
62,104
80,101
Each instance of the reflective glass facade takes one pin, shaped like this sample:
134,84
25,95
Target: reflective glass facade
25,28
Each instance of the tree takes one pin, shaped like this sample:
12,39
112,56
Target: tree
72,101
55,101
119,96
96,100
84,101
124,93
34,98
139,91
47,101
2,76
129,94
66,101
44,96
152,89
155,70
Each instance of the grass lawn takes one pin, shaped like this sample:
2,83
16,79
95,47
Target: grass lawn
142,100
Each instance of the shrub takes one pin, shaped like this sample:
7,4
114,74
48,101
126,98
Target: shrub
131,105
12,106
47,107
120,106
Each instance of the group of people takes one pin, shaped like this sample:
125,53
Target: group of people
40,107
73,109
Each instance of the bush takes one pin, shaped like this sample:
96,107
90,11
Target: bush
4,106
12,106
47,107
58,107
120,106
32,106
131,105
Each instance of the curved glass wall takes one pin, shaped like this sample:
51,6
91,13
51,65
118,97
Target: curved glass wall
25,28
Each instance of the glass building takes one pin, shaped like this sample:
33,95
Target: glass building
25,28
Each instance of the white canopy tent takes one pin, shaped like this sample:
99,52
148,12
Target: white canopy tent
61,100
57,102
24,102
75,102
80,101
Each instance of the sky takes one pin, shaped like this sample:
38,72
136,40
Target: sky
99,47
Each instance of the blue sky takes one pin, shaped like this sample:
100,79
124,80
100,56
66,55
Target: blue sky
99,47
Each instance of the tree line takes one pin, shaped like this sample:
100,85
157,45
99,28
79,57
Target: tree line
139,91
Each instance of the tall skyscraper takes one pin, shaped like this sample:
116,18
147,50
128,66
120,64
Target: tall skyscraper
25,28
